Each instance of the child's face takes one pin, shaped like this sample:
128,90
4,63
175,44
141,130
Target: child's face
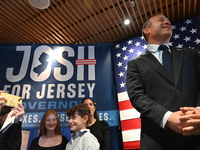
77,123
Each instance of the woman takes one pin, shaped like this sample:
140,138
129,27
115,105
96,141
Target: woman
100,129
50,136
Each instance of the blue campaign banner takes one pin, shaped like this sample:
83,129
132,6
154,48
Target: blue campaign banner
52,76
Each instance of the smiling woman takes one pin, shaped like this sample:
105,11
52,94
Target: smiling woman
50,134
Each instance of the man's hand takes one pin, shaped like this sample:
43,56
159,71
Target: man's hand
175,123
192,118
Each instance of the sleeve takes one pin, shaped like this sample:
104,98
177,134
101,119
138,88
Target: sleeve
14,137
137,93
106,136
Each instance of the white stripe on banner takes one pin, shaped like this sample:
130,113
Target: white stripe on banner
131,135
122,96
129,114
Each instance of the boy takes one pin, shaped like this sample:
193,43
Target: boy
81,138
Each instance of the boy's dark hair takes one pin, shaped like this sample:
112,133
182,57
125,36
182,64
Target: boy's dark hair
81,110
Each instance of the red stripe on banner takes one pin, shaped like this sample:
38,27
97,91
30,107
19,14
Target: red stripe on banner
85,61
131,124
123,105
131,145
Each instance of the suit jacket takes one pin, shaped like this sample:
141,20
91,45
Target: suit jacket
11,138
152,93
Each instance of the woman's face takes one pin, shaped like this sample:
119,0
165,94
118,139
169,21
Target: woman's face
51,122
90,104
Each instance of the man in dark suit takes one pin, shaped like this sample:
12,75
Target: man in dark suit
158,93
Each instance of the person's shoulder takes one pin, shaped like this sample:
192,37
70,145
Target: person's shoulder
187,50
104,123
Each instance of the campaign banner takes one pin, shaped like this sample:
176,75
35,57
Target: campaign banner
59,76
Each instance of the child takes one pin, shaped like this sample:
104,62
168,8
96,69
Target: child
81,138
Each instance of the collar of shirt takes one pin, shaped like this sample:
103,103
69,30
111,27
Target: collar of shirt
153,48
79,133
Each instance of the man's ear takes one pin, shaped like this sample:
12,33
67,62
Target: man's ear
146,31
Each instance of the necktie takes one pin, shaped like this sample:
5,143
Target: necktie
167,60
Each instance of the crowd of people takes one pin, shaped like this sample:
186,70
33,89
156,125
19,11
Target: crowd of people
87,131
163,85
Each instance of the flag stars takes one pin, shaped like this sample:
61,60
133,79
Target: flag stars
131,50
124,48
118,55
193,31
187,39
142,37
117,46
130,42
121,74
137,44
139,53
173,27
180,46
188,21
119,64
125,57
144,46
197,41
122,85
176,36
125,67
183,29
170,43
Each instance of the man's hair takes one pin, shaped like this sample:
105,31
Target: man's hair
147,24
81,110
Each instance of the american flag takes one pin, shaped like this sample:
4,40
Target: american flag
185,34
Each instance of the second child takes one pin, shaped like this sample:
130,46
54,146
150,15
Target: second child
81,138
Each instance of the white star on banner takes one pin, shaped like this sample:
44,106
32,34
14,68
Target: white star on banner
193,31
117,46
124,48
122,85
197,41
131,50
118,55
130,42
125,57
176,36
188,21
180,46
137,44
119,64
187,39
182,28
121,74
